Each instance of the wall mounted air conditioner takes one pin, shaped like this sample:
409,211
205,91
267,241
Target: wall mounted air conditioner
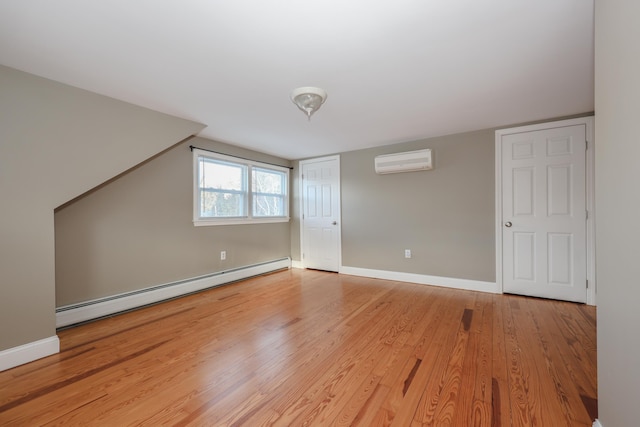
419,160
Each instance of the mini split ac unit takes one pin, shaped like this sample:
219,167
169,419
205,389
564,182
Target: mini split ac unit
419,160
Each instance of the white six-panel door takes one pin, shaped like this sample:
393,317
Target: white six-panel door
544,248
321,213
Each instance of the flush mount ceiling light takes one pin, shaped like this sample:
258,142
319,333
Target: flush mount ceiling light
308,99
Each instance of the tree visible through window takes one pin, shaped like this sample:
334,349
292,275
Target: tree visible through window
222,195
268,192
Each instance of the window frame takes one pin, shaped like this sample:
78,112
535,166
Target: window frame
247,196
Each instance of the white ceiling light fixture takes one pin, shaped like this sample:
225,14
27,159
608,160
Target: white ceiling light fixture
308,99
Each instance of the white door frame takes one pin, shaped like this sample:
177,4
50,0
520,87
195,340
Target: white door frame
590,196
300,168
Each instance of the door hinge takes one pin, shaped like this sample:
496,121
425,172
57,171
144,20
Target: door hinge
587,284
587,214
586,145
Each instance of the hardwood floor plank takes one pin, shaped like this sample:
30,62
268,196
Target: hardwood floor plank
565,386
303,347
500,385
547,396
368,416
405,331
473,406
441,393
409,379
64,383
441,336
577,345
591,405
518,372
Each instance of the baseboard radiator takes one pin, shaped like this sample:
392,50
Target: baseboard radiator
90,310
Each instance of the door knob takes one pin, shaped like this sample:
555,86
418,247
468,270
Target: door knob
508,224
334,223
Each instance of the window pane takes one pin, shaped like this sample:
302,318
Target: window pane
218,204
268,206
222,189
269,190
268,181
221,175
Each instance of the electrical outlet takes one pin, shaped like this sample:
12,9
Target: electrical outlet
407,253
223,255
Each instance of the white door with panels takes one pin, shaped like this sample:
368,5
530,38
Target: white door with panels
320,230
544,212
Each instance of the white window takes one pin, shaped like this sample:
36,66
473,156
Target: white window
228,190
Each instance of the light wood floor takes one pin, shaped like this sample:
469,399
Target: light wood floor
313,348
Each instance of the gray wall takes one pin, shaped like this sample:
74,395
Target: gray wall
137,231
445,216
618,210
57,142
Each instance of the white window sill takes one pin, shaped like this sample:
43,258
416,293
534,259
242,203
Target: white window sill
237,221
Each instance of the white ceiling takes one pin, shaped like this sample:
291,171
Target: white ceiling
394,71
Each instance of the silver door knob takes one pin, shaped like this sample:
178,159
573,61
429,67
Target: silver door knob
508,224
334,223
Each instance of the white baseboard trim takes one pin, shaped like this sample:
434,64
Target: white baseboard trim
296,264
597,423
29,352
447,282
88,310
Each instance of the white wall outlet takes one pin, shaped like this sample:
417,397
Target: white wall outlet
407,253
223,255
